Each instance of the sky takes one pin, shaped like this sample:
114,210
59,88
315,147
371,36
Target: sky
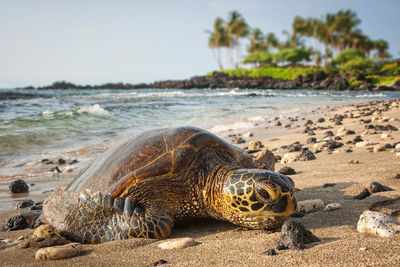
99,41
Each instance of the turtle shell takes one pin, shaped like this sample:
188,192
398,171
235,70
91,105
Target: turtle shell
152,154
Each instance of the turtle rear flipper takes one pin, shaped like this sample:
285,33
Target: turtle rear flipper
91,218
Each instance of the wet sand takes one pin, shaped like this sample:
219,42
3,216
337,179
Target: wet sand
223,244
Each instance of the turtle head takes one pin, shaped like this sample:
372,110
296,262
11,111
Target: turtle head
258,198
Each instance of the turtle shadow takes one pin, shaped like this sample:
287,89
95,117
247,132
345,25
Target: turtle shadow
200,227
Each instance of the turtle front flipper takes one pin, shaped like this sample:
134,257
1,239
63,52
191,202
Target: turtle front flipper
91,218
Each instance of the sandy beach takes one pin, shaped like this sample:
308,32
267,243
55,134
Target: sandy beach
223,244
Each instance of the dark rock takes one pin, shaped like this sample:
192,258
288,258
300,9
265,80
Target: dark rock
73,162
329,133
338,122
294,236
348,150
48,162
306,155
357,139
278,123
377,187
159,262
294,147
369,126
297,215
252,151
349,132
287,170
337,138
45,160
17,222
366,86
327,82
328,185
397,175
321,120
61,161
18,186
270,252
311,140
333,145
308,122
385,128
365,193
278,158
25,204
388,146
239,140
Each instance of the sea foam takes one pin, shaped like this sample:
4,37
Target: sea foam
95,109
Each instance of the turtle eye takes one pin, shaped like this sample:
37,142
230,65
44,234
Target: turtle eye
264,193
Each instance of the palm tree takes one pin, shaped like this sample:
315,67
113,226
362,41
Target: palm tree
256,41
236,28
218,39
271,41
299,26
381,47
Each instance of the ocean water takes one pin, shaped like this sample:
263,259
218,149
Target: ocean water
78,118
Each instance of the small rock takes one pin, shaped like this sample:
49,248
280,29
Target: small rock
278,123
397,176
270,252
357,139
177,243
363,194
16,222
290,157
55,169
25,204
352,161
61,161
67,170
74,161
363,249
377,187
397,146
45,160
385,135
332,206
328,185
307,206
294,236
379,148
377,223
364,143
287,170
311,140
248,135
159,262
7,241
329,133
59,252
256,145
18,186
321,120
307,155
287,125
239,140
348,150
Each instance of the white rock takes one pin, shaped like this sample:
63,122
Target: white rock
397,146
363,249
59,252
364,143
319,145
341,131
379,148
377,223
385,135
398,154
290,157
307,206
248,135
332,206
177,243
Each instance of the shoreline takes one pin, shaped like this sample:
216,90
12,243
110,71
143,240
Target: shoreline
223,244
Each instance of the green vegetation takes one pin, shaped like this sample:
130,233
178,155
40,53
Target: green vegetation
382,80
347,55
358,65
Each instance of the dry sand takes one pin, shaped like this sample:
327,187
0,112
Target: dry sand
223,244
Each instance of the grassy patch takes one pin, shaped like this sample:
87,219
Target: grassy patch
383,80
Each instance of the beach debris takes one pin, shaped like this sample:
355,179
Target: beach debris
294,236
18,186
270,252
248,135
377,187
178,243
25,204
332,206
328,185
379,148
290,157
255,145
363,194
61,161
159,262
352,161
287,170
16,222
377,223
306,155
311,205
59,252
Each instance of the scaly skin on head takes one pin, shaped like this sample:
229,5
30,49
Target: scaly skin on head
253,198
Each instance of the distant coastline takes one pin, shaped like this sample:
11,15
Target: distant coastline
319,80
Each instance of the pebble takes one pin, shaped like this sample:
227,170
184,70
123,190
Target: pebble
307,155
287,170
74,161
311,140
363,249
54,169
352,161
311,205
18,186
379,148
287,125
294,236
328,185
363,194
177,243
377,187
364,143
25,203
248,135
61,161
290,157
256,145
377,223
59,252
397,176
159,262
270,252
385,135
239,140
67,170
397,146
332,206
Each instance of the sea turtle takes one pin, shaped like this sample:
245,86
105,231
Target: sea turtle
141,186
